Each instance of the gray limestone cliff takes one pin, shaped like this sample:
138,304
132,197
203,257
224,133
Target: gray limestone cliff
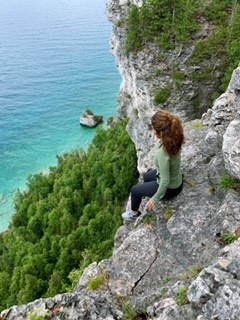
171,264
152,68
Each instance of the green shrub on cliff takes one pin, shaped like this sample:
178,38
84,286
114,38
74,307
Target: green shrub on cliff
161,21
67,219
162,95
134,41
98,281
224,40
181,296
228,238
170,23
226,182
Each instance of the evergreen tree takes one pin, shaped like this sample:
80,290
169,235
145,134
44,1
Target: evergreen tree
67,219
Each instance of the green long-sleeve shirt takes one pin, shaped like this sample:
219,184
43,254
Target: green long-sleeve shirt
169,172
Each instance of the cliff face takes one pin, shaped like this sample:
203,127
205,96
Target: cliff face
151,69
175,263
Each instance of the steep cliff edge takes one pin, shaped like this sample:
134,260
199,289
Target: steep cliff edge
172,264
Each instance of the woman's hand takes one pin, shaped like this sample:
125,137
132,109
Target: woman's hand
151,204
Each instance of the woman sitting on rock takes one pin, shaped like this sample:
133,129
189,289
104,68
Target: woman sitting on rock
165,182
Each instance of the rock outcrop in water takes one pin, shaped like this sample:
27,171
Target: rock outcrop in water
175,263
89,119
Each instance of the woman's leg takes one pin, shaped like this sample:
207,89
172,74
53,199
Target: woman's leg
146,189
150,175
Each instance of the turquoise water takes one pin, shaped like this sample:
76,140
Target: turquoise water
55,61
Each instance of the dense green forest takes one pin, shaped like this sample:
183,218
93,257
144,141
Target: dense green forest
67,219
170,23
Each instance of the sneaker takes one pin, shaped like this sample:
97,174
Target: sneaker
129,216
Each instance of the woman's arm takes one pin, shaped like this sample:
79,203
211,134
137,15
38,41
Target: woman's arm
163,162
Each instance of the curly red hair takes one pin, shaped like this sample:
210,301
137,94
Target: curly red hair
169,128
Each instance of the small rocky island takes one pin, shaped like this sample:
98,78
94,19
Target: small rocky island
89,119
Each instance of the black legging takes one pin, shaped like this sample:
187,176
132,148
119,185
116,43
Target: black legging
148,188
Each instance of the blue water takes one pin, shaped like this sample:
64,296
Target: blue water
55,61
